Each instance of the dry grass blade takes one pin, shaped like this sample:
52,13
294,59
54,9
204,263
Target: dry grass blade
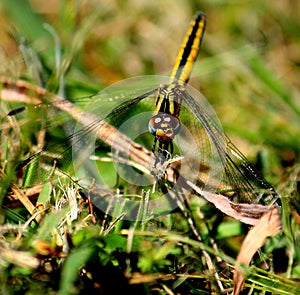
20,258
268,226
246,213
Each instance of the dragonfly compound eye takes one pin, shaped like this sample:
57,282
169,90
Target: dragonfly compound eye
164,126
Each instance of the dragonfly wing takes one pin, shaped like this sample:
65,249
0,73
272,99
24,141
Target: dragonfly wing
240,180
93,127
255,187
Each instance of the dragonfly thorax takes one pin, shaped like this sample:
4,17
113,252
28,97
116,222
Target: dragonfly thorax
168,101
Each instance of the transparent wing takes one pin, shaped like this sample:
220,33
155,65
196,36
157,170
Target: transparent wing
240,180
99,116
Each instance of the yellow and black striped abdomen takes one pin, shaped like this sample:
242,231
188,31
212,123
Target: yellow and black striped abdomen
189,50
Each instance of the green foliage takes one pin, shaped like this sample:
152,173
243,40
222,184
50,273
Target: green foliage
248,70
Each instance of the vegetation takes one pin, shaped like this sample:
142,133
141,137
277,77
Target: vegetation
56,235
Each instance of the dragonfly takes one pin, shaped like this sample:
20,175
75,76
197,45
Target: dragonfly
181,117
165,123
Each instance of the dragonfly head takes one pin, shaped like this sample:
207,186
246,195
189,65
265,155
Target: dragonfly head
164,127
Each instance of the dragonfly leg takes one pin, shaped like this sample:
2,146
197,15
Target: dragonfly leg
171,147
167,150
157,159
163,151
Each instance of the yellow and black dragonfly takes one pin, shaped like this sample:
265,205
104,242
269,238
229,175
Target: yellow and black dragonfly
182,123
165,124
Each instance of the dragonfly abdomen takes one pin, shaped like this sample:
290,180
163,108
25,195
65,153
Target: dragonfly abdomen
189,50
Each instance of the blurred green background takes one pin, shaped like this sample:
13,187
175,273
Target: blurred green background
248,67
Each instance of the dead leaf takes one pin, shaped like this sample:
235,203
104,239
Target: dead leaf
269,225
246,213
